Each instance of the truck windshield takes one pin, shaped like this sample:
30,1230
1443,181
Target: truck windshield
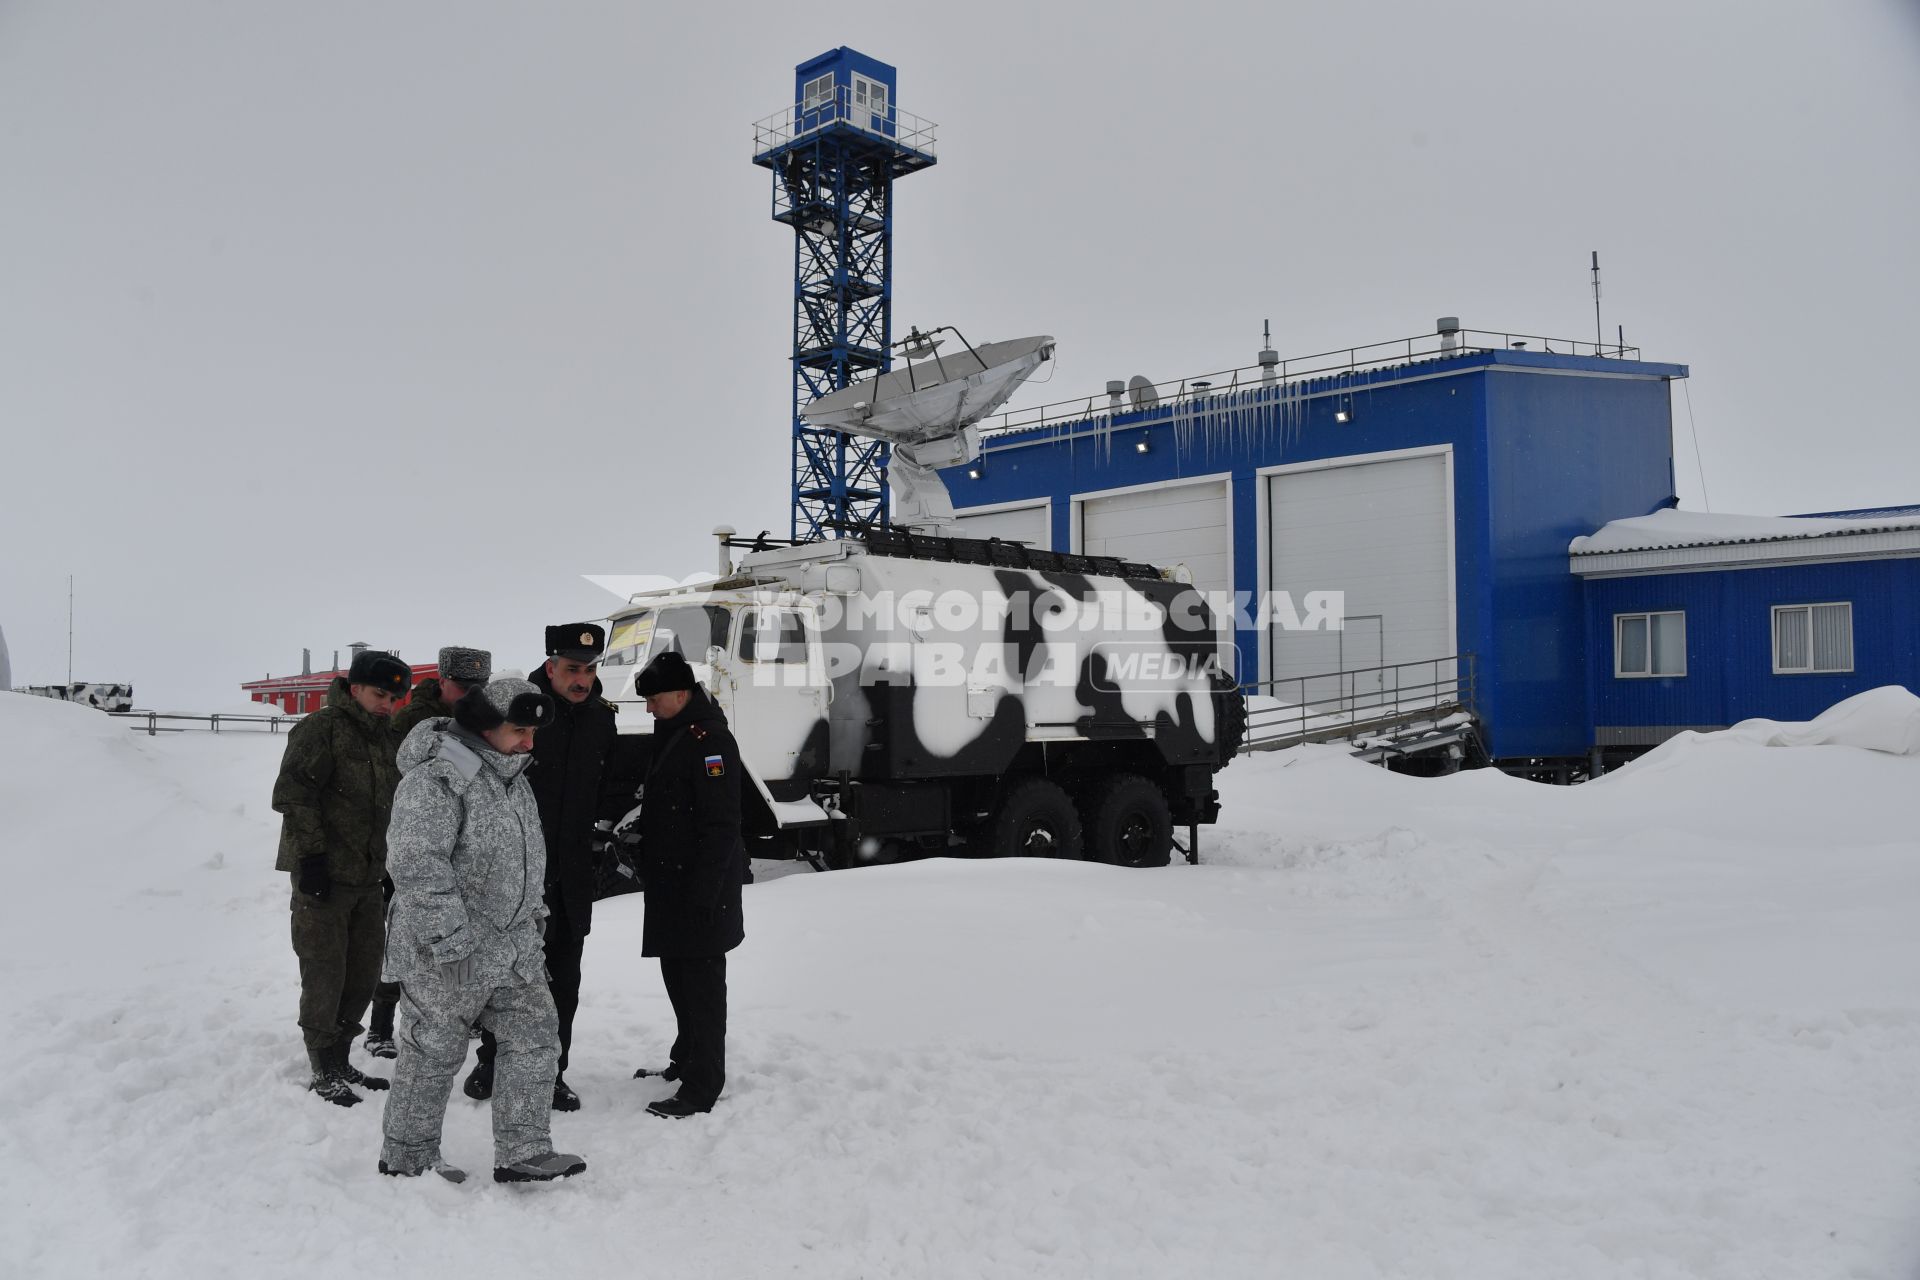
626,640
686,629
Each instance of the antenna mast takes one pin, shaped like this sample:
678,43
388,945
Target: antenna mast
1599,334
69,628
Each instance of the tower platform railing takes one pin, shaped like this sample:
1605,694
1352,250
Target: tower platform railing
904,130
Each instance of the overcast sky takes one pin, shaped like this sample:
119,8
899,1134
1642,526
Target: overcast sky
331,322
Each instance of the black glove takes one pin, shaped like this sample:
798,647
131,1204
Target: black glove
312,878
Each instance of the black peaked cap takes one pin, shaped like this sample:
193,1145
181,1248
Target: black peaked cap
580,641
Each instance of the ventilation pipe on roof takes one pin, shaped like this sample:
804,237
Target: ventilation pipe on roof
1115,390
1448,327
306,662
1269,358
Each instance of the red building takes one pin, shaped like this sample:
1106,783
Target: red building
297,695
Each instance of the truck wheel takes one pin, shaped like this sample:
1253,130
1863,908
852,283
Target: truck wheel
1036,820
1128,823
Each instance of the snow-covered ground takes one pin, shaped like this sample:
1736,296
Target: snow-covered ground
1665,1024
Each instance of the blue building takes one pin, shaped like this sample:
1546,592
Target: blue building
1698,621
1434,482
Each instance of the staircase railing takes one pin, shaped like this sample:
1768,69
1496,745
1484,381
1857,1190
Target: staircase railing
1342,704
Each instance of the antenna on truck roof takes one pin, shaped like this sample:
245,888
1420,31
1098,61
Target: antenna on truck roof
931,423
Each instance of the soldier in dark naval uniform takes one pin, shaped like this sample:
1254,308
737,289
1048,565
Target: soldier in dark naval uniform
693,860
335,794
460,671
582,772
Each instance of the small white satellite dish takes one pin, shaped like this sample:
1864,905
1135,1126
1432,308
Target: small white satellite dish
928,412
1141,392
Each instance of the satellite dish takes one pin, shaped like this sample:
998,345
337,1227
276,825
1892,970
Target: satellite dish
1141,392
920,404
928,414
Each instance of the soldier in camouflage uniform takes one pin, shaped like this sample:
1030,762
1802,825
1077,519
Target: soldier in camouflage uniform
460,671
582,770
335,793
469,862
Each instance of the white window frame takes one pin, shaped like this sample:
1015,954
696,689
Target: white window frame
871,85
813,97
750,623
1773,638
1620,673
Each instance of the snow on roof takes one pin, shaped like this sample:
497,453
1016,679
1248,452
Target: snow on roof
1862,513
1675,528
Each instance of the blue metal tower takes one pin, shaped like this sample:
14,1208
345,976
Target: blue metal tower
834,155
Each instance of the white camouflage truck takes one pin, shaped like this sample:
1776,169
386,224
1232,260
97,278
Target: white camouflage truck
905,690
900,693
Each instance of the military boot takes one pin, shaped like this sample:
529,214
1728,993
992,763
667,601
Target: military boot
379,1041
564,1098
441,1167
327,1081
678,1108
479,1085
541,1168
351,1074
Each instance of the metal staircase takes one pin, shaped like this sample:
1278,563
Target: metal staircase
1400,711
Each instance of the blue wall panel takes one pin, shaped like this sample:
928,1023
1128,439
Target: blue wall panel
1568,454
1730,641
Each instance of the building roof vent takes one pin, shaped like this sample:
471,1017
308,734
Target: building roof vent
1269,358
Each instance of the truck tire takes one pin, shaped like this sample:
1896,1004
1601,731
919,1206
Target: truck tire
1128,823
1035,820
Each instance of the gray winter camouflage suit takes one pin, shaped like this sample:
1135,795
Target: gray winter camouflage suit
469,871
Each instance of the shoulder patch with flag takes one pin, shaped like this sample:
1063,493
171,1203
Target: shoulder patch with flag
716,766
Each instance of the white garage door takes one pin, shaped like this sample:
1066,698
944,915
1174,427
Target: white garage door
1381,533
1165,526
1030,525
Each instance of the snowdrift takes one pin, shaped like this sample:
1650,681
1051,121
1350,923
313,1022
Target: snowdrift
1661,1025
1886,720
